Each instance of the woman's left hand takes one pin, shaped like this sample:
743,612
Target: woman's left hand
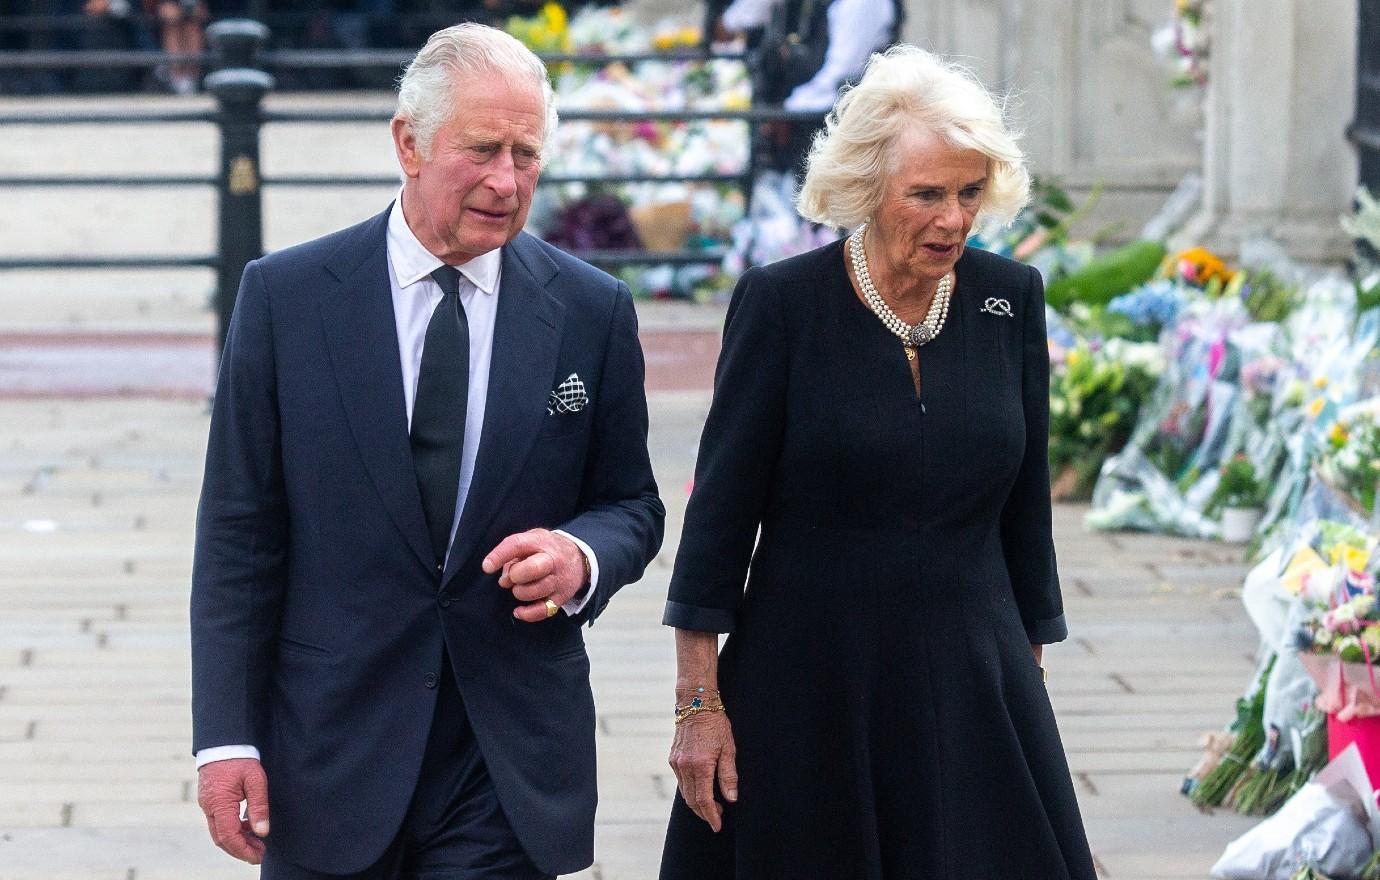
1039,651
703,750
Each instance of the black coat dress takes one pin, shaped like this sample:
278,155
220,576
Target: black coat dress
889,718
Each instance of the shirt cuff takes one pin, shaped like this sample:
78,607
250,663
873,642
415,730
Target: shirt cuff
576,605
224,753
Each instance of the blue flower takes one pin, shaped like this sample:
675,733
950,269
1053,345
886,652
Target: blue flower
1154,303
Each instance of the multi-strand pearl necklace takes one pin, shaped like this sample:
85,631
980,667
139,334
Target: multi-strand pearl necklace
912,335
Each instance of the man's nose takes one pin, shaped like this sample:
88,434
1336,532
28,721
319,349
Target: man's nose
502,177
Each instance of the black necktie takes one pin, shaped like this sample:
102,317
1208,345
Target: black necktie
438,412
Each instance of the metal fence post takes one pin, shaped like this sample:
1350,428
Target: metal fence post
239,88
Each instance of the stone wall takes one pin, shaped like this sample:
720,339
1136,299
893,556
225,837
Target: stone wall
1268,133
1090,95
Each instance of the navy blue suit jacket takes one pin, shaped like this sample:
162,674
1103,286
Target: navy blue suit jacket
318,620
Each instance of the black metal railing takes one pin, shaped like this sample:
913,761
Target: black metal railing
239,86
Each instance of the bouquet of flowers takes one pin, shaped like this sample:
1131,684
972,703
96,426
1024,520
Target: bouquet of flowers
1340,643
1185,43
1095,396
547,31
1350,459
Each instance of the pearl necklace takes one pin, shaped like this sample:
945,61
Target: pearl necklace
912,335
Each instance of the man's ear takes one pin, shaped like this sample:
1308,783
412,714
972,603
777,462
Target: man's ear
405,145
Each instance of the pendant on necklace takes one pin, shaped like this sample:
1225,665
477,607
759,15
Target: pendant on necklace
910,352
920,334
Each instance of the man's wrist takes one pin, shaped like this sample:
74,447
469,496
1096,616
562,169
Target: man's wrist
590,574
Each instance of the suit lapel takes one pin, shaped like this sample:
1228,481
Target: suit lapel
361,336
527,338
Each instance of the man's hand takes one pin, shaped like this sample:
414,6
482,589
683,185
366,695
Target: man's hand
537,565
703,749
221,785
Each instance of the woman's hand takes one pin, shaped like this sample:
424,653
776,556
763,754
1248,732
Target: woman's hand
702,749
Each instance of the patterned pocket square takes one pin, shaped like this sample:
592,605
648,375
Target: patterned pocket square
568,397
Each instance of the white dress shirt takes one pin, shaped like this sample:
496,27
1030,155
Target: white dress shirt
857,28
415,297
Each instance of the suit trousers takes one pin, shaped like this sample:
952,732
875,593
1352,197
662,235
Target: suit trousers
455,828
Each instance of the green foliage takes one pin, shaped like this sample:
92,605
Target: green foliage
1094,401
1249,728
1238,485
1264,789
1098,322
1367,298
1265,296
1108,276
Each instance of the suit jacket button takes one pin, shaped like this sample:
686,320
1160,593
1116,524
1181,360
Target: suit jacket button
444,599
430,679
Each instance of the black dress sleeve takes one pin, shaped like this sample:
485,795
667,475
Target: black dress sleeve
1027,534
738,452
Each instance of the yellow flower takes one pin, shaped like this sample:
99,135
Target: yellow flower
1074,357
555,17
1337,434
1354,558
1201,266
1320,383
1316,407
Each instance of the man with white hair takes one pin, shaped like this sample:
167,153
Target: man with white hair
427,467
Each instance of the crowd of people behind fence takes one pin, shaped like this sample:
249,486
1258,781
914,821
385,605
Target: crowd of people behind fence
178,27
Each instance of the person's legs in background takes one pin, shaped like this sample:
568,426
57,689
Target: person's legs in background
181,23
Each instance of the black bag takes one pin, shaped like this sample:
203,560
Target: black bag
791,50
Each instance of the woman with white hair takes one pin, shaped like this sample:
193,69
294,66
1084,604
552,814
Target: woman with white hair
874,467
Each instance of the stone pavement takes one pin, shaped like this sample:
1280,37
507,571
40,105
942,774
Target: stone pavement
102,427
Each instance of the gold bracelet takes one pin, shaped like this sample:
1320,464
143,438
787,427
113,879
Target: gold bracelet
701,700
1044,676
684,712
